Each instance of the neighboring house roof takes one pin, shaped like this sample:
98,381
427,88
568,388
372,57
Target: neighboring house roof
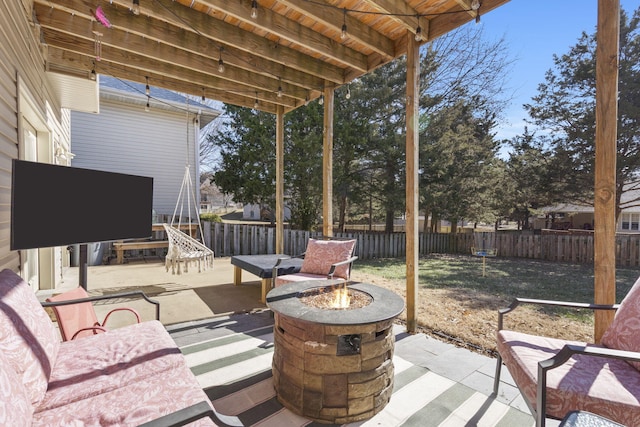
135,93
578,208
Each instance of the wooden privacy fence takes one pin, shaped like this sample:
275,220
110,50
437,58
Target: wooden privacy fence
241,239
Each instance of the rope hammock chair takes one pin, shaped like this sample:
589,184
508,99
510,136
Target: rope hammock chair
183,248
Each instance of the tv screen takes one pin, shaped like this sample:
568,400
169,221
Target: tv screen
59,205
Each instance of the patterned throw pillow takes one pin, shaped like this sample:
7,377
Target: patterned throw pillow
28,339
624,332
320,254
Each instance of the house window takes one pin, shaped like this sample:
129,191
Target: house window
630,221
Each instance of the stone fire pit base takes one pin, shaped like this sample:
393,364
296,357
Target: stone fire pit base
313,382
333,366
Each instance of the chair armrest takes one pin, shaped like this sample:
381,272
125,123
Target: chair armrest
191,413
516,302
105,297
332,270
565,354
130,310
274,272
91,328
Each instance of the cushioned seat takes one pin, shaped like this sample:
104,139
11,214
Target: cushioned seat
558,376
323,260
132,353
608,387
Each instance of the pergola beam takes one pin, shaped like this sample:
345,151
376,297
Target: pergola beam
334,18
163,26
327,163
292,32
62,61
196,69
607,51
280,180
412,149
401,12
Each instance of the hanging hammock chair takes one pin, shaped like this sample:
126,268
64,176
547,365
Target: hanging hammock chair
183,248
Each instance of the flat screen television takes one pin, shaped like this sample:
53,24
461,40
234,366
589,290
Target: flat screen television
59,205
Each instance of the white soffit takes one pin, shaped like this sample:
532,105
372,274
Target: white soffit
76,93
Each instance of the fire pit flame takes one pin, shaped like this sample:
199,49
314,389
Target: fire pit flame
336,296
341,298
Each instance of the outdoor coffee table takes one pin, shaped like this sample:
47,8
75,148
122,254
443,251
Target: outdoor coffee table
262,266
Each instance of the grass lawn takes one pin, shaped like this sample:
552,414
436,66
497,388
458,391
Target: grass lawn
457,303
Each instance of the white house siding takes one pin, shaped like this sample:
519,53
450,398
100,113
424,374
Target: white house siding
22,79
127,139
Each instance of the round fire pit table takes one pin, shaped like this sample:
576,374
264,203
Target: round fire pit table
333,365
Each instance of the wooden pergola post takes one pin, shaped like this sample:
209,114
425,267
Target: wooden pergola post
412,145
327,164
280,179
607,51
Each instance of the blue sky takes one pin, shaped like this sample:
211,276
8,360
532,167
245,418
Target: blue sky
534,31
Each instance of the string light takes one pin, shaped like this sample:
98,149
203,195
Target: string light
135,7
343,34
147,89
306,100
256,104
280,88
220,61
475,5
147,107
92,75
418,34
348,95
203,97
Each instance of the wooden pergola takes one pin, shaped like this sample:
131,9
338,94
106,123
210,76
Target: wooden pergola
277,55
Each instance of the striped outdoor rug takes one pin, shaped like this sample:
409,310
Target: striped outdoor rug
235,372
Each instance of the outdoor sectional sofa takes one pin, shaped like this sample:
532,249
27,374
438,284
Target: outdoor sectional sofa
126,376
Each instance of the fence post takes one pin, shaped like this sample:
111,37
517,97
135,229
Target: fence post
206,233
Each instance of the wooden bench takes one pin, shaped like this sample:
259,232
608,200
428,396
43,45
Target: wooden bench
120,247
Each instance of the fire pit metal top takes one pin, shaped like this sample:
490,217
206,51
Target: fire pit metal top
285,299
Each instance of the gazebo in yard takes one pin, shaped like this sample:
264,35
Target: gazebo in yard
271,55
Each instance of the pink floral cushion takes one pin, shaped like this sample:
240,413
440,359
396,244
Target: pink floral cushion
298,277
110,360
28,338
320,254
132,404
624,332
15,408
608,387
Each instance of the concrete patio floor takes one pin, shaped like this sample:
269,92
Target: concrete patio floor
191,300
183,297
